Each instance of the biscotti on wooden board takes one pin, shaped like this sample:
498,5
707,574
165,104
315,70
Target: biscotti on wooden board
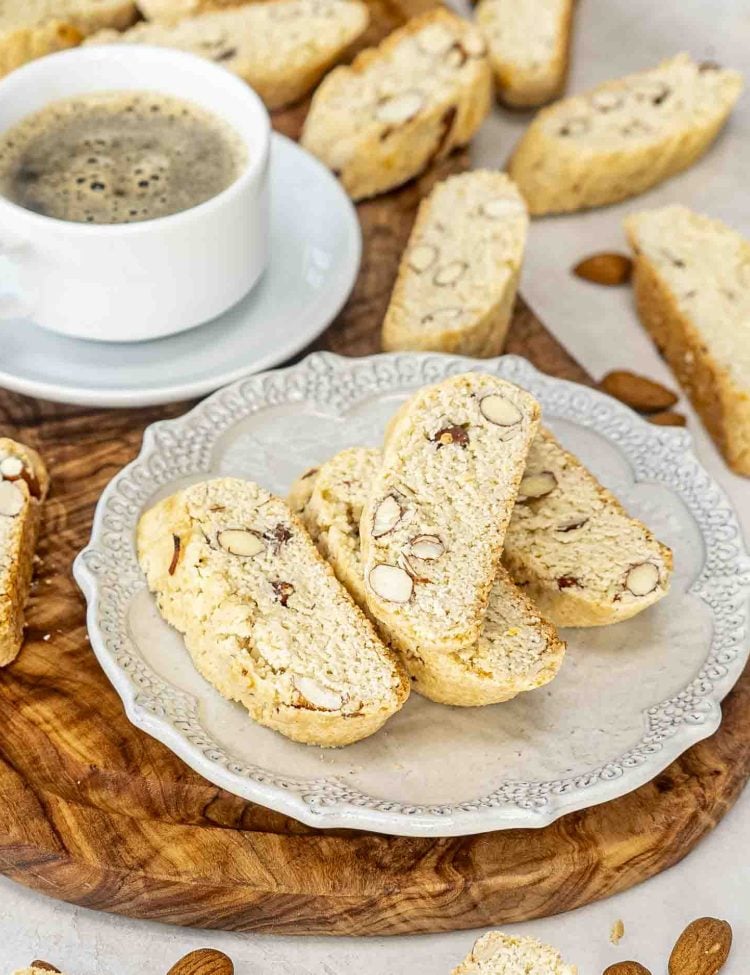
517,651
528,42
622,137
692,290
502,954
23,488
433,526
282,47
263,616
574,549
400,106
459,273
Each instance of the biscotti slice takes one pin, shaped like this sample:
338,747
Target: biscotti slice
502,954
528,42
575,550
381,121
282,48
263,616
23,488
517,651
692,289
433,526
458,276
170,11
623,137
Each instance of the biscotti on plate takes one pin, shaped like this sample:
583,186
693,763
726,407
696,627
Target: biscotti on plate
574,549
23,488
692,289
263,616
622,137
170,11
459,273
528,42
30,29
502,954
398,107
433,526
282,48
517,651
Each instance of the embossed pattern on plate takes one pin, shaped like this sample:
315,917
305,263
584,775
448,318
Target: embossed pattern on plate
628,701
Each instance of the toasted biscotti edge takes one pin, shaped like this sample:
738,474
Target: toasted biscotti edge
523,89
306,725
723,406
170,11
487,336
495,944
381,165
23,535
25,44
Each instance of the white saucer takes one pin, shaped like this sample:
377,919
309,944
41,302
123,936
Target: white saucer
316,246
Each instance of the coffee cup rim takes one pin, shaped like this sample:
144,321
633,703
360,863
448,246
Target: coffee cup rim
257,160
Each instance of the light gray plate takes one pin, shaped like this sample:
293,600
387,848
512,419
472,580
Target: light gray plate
316,247
629,699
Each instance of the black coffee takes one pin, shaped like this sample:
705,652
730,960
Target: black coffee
118,157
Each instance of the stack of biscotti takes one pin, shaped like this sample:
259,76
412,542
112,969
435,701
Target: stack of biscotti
692,289
458,276
263,616
400,106
33,28
516,651
23,488
622,137
528,42
503,954
282,47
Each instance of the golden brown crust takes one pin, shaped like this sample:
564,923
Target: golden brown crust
25,44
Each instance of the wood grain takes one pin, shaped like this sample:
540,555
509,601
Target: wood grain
94,812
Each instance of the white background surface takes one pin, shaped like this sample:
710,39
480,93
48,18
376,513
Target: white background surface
599,326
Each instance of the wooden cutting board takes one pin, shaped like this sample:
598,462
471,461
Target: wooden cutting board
95,812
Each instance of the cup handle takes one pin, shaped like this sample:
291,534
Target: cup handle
13,303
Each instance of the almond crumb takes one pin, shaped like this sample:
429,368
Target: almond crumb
617,932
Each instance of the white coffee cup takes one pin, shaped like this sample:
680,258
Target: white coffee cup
128,282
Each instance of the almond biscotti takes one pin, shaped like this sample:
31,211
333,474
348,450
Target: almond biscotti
263,616
692,289
459,273
517,651
503,954
528,42
400,106
282,48
23,488
33,28
170,11
433,526
574,549
623,137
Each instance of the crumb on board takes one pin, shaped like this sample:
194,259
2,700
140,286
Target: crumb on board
618,930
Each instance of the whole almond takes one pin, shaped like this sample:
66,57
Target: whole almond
204,961
638,392
668,419
608,268
702,948
627,968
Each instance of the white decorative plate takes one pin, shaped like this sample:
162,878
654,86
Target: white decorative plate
629,699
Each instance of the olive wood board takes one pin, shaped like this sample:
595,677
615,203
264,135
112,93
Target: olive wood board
94,812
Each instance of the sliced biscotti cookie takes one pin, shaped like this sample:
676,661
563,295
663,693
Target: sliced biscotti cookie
263,616
459,273
692,289
502,954
574,549
623,137
517,651
282,48
432,529
398,107
528,42
23,488
170,11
